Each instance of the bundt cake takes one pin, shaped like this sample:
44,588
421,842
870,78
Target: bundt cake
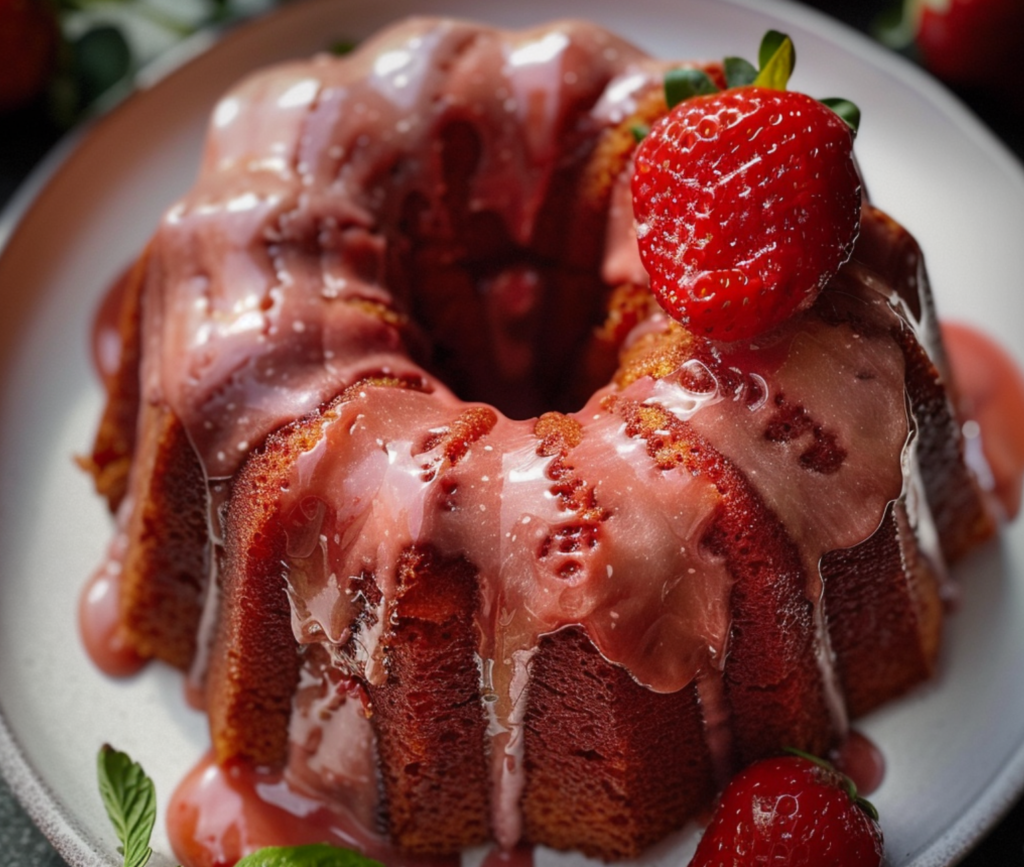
456,533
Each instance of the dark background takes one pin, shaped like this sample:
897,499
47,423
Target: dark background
27,135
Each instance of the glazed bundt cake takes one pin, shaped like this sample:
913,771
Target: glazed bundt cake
409,466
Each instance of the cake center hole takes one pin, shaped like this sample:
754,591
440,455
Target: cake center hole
511,323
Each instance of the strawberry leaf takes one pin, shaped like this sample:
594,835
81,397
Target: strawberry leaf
777,57
867,807
895,26
342,47
739,72
681,84
640,131
845,109
130,800
315,855
771,42
810,757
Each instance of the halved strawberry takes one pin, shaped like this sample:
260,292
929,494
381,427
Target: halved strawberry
747,201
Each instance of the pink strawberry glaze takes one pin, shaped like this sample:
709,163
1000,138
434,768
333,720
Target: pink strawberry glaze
991,391
245,330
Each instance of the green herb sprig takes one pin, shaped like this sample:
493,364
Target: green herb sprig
130,799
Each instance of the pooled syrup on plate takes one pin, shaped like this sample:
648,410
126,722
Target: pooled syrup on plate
99,616
992,409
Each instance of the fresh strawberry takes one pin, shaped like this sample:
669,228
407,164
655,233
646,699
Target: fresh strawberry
747,202
28,50
963,42
795,811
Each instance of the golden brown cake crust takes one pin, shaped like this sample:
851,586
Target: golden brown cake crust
164,574
428,716
887,589
611,766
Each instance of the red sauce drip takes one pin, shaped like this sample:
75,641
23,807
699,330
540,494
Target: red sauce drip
862,761
520,856
992,394
98,620
219,814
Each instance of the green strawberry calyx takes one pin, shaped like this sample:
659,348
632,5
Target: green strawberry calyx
776,61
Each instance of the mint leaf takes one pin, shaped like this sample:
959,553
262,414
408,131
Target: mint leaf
315,855
681,84
777,58
130,800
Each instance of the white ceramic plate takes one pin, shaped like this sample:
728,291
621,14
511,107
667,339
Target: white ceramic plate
954,748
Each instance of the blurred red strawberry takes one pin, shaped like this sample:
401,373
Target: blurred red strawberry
971,41
963,42
28,50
